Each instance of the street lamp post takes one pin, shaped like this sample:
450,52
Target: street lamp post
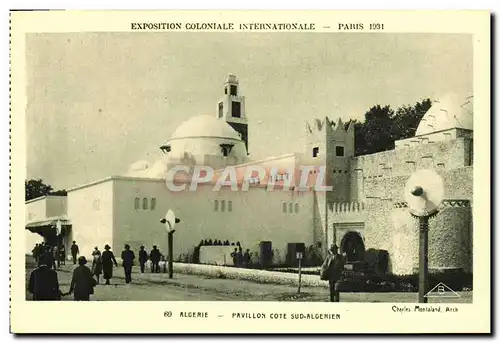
170,220
424,193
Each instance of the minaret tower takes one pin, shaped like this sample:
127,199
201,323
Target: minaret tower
231,108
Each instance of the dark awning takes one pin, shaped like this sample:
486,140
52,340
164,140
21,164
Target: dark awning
47,224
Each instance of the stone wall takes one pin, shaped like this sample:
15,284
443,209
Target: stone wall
450,236
442,156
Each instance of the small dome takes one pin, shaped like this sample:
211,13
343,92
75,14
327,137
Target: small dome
449,112
205,126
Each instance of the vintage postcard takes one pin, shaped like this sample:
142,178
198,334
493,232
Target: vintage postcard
250,171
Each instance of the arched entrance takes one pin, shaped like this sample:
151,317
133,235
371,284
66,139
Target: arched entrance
353,247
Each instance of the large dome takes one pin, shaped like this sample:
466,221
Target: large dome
205,126
449,112
205,140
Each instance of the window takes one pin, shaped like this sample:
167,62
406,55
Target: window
145,203
221,109
136,203
284,207
153,203
229,206
225,90
234,90
315,152
226,149
290,207
339,151
216,205
296,208
236,109
222,205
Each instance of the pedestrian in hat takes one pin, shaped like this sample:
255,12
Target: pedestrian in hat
74,251
143,258
108,259
43,282
331,270
96,264
82,282
155,257
62,255
128,257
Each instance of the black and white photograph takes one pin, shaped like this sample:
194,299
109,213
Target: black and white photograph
187,161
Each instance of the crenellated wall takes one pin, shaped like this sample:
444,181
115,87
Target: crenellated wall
367,171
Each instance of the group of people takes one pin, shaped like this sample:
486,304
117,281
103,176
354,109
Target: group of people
103,263
241,259
209,242
44,283
58,252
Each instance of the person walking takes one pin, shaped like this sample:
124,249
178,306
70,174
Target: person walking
62,255
74,251
247,257
82,282
108,259
143,258
35,252
128,257
55,252
96,264
234,256
155,257
331,270
43,282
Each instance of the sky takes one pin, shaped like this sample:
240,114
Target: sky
98,102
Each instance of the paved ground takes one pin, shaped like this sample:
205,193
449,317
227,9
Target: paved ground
157,287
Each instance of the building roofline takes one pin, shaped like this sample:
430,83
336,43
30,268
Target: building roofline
190,137
430,133
293,154
43,197
114,177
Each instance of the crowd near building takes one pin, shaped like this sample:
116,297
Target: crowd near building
365,209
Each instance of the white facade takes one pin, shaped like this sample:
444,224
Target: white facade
42,211
45,207
90,209
121,210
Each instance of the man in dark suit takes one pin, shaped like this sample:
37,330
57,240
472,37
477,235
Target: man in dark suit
82,282
128,257
335,265
43,282
143,258
155,257
74,251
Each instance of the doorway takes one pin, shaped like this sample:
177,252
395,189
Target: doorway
353,247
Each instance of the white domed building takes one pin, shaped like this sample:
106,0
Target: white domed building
207,141
450,117
365,210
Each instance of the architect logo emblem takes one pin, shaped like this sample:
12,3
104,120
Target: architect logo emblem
442,291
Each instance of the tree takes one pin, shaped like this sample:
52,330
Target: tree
375,134
407,119
383,126
36,188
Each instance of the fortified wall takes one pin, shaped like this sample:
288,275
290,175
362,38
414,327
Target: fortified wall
378,213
